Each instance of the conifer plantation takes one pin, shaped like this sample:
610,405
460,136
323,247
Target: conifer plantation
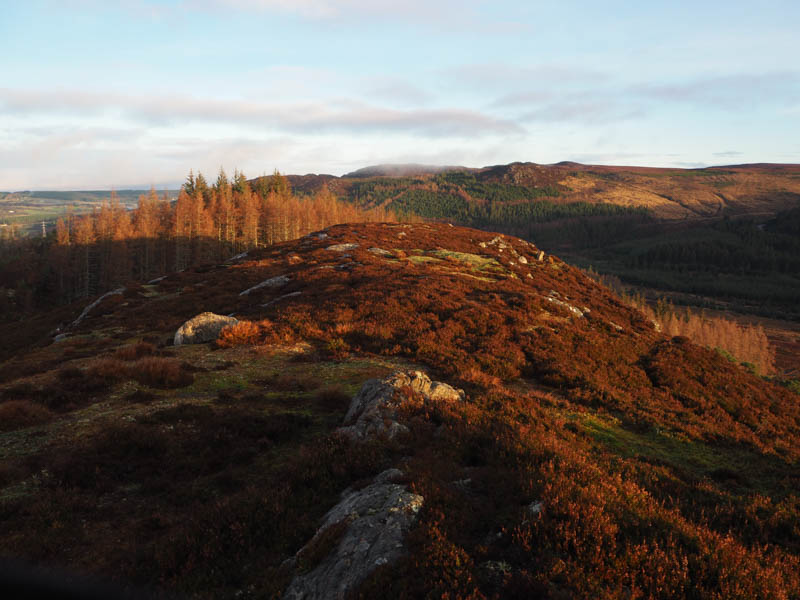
99,251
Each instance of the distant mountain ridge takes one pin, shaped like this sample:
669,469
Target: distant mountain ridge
668,193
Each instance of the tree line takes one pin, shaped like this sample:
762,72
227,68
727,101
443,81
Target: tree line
747,344
101,250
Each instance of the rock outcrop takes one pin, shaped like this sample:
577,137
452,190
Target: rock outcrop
205,327
342,247
373,410
88,309
272,282
366,528
578,312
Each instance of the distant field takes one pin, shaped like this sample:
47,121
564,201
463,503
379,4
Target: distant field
27,210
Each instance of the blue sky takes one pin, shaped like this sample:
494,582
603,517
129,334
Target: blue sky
136,92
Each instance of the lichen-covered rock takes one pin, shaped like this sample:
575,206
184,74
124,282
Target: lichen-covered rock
376,520
88,309
553,297
205,327
272,282
239,256
342,247
279,298
373,411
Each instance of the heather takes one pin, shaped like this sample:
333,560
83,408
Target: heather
594,456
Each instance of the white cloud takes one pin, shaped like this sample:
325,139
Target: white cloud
515,77
345,115
733,91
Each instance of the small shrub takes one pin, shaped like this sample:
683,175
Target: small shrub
480,379
135,351
244,333
107,369
17,414
338,348
69,375
161,372
74,387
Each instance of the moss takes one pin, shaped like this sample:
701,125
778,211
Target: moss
419,260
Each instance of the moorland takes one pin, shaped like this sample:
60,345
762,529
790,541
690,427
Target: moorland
585,440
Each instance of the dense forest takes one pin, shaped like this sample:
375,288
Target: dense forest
96,252
534,212
740,247
749,265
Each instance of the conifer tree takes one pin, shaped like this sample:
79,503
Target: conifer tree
188,186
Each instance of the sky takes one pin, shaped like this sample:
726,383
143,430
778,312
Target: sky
100,94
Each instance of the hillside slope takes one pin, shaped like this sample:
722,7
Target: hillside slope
589,457
714,237
674,194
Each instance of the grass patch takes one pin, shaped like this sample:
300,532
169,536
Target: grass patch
474,261
733,465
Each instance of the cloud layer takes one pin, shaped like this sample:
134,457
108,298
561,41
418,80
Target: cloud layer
348,116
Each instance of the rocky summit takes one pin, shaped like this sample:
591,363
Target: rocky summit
393,410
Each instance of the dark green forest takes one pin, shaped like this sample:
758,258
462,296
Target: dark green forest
460,198
742,264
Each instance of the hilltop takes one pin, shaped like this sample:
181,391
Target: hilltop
402,170
717,237
569,449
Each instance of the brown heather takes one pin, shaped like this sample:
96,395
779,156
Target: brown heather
135,351
17,414
659,468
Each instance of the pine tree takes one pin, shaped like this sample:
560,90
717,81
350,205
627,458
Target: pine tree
189,186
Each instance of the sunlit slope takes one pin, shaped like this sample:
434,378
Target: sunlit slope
591,456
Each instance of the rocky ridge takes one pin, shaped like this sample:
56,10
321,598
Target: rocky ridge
373,521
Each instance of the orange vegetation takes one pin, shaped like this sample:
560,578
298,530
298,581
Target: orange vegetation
746,343
594,457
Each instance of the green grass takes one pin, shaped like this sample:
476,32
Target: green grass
753,471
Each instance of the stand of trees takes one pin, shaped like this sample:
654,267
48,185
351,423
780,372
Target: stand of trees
747,344
99,251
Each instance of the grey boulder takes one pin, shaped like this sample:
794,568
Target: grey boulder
373,411
205,327
375,521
